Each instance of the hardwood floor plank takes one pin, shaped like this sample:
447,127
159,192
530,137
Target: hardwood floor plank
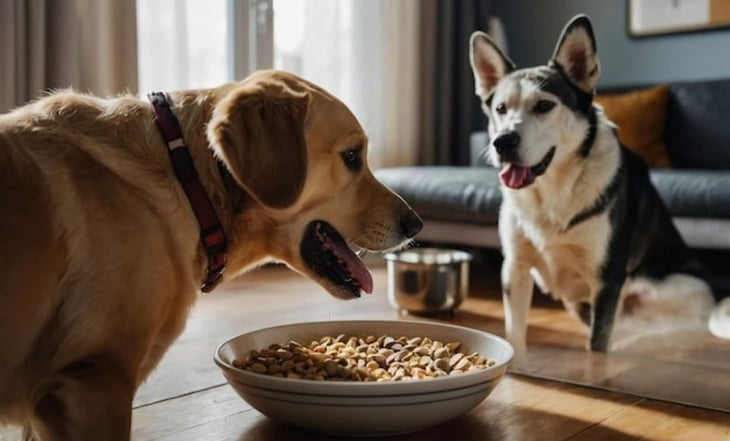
659,421
169,417
643,376
519,409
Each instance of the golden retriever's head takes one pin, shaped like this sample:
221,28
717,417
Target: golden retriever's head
301,155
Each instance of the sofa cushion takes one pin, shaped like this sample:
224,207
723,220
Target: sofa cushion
641,117
461,194
473,194
694,193
698,125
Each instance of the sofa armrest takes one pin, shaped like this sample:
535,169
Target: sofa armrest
477,148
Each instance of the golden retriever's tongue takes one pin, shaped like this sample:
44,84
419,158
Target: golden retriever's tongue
514,176
354,265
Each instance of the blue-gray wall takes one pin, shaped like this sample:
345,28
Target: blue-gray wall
533,26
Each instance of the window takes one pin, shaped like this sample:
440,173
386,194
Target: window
201,43
363,52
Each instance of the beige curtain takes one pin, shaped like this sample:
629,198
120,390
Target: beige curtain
402,96
90,45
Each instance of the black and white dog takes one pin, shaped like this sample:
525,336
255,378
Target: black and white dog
580,216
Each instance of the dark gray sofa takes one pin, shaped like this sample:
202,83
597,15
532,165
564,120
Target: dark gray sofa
460,205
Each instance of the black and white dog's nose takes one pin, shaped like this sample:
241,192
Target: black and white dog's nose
506,141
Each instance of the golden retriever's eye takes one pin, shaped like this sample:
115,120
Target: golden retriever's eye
501,109
352,158
544,106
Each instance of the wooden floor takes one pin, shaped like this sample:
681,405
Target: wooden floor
187,398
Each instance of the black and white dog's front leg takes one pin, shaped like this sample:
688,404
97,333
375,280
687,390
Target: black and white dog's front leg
604,316
517,289
606,303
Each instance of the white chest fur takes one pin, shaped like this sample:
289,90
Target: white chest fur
567,263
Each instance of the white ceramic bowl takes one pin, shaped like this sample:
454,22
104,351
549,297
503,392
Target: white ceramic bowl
360,408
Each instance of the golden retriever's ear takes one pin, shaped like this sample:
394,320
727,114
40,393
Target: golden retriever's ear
260,138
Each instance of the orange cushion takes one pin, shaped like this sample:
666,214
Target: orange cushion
641,118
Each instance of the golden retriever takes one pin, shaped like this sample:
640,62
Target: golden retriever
101,256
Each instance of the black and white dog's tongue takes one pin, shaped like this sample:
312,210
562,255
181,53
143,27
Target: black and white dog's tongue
514,176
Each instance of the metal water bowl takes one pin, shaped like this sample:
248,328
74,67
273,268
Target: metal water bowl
428,280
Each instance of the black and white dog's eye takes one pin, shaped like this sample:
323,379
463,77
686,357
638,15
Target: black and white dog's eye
501,109
544,106
352,158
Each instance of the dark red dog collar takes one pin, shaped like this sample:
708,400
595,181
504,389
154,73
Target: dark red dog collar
211,231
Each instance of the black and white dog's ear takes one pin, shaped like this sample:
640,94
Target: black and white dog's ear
576,55
488,63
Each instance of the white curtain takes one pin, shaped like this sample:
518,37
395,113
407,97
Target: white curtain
366,54
183,44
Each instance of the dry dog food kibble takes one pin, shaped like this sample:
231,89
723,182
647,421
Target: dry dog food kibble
364,358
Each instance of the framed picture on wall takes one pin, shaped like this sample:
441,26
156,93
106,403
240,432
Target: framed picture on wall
661,17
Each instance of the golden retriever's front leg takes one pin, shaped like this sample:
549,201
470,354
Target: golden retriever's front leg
90,400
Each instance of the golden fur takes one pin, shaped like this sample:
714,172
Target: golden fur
101,259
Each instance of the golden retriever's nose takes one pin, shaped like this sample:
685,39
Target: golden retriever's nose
410,224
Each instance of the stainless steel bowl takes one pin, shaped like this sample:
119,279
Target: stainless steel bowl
428,280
